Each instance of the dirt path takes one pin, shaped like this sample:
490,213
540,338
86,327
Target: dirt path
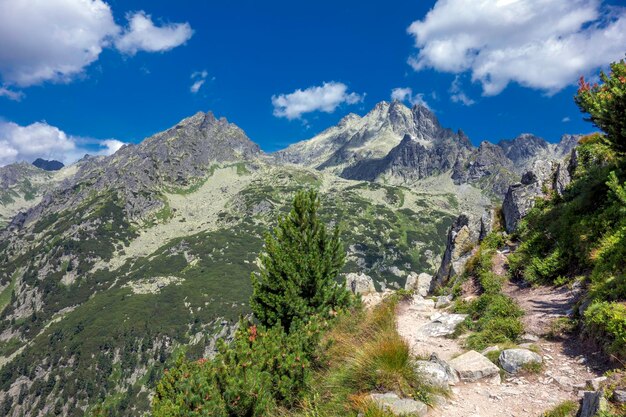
565,370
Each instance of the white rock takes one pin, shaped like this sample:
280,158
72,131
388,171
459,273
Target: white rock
419,283
360,283
513,360
473,366
400,406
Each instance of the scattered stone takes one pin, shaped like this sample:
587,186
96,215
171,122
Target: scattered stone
512,360
443,301
152,285
619,396
593,403
565,382
442,324
360,283
400,406
529,338
473,366
596,382
419,283
490,349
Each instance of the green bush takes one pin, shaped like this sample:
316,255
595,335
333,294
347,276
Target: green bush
565,409
261,370
606,323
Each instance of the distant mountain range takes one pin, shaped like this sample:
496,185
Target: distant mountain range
112,264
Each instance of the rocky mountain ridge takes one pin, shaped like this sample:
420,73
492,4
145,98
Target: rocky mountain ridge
395,144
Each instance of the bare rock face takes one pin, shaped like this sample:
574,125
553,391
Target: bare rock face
419,283
544,176
519,199
360,283
463,236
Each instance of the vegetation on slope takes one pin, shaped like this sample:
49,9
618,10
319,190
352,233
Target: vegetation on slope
307,353
494,316
581,236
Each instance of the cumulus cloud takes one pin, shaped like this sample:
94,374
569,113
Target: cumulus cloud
457,95
41,140
325,98
406,94
198,78
539,44
566,119
142,35
55,40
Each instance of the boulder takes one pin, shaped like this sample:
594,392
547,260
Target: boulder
442,324
436,372
593,403
390,401
513,360
419,283
360,283
472,366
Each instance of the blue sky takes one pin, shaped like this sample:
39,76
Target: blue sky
247,52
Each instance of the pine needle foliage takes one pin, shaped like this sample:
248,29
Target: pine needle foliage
299,268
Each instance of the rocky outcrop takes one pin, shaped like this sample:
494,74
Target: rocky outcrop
463,235
419,283
514,360
360,283
545,176
519,199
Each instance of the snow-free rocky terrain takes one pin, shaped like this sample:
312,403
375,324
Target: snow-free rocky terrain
111,265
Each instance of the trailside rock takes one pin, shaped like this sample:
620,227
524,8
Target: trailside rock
436,372
593,403
512,360
461,239
360,283
518,201
390,401
443,301
419,283
442,324
473,366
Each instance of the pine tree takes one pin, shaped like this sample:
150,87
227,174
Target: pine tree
299,267
606,105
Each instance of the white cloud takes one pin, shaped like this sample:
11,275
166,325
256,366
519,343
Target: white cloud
406,94
142,35
55,40
10,94
325,98
539,44
566,119
41,140
199,78
457,95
